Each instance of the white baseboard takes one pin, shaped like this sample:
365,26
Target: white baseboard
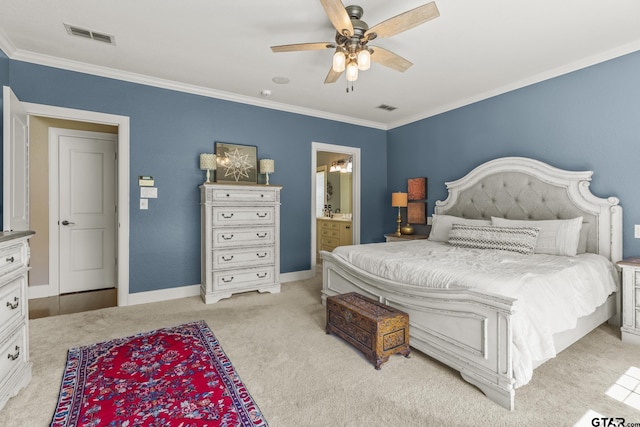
164,294
40,291
194,290
297,275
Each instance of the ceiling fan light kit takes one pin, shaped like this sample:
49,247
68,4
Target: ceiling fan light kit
352,52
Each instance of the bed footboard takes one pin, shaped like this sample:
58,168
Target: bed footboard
467,330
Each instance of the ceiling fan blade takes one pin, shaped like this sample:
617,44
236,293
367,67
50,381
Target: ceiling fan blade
338,16
389,59
332,76
303,46
405,21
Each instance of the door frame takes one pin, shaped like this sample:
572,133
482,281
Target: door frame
54,194
122,173
354,153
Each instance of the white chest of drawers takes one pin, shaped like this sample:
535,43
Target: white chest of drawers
240,240
15,367
630,300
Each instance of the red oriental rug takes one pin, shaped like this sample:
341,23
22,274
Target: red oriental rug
177,376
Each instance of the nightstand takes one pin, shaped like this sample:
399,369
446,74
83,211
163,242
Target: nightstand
393,237
630,300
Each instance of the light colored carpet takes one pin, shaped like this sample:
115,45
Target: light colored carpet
299,376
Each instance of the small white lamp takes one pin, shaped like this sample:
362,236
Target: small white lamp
208,163
267,166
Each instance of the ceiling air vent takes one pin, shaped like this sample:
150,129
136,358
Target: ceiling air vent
386,107
89,34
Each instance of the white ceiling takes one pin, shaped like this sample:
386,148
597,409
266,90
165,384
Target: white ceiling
474,50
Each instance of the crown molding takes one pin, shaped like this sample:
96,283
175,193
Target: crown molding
65,64
556,72
5,44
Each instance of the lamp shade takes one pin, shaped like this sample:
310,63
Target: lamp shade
352,71
207,161
339,61
364,59
399,200
267,166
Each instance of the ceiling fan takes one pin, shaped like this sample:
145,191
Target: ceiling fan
352,52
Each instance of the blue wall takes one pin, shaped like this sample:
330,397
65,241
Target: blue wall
170,129
4,81
585,120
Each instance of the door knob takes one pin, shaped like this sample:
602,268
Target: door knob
65,222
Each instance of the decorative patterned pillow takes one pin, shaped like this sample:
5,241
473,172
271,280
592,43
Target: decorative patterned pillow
515,239
441,226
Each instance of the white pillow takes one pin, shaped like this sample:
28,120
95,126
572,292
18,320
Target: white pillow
441,226
515,239
556,237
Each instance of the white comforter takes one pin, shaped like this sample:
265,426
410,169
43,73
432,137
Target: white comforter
552,291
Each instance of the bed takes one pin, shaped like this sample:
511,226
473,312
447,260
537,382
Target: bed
475,329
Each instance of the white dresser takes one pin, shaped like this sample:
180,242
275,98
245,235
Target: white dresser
15,367
630,300
240,239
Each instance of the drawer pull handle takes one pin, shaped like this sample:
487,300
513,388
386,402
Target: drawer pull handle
262,195
227,259
264,215
227,195
262,236
226,216
13,306
229,280
348,227
227,238
261,256
11,259
14,356
261,276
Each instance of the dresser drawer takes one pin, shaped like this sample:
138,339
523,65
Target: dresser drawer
330,233
13,353
229,237
230,216
329,225
240,195
11,258
234,258
11,303
246,277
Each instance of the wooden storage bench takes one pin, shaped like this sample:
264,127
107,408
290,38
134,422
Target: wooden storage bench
375,329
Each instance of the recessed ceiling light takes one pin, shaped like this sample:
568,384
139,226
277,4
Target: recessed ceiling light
265,93
280,80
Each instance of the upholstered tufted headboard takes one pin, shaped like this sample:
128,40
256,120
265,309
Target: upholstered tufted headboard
521,188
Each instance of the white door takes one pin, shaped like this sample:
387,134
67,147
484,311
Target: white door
87,210
15,163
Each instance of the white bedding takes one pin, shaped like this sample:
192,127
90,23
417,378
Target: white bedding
552,291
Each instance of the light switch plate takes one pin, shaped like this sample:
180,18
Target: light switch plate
149,192
637,231
144,204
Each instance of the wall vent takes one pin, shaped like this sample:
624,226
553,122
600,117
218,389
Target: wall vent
90,34
386,107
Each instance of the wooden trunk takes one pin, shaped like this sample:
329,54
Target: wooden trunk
375,329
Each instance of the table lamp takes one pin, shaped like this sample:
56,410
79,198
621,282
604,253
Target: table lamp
399,200
208,163
267,166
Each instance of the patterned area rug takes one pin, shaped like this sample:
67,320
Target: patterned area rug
177,376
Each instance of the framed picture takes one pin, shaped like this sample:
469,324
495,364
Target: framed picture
417,188
236,163
417,213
